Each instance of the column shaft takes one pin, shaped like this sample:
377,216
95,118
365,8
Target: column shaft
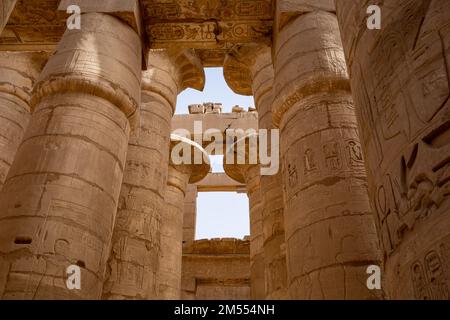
18,73
271,186
190,215
58,204
257,264
401,84
330,231
172,233
134,259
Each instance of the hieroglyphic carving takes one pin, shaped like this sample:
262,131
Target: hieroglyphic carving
40,23
208,9
207,34
415,188
402,89
429,278
332,155
310,162
207,24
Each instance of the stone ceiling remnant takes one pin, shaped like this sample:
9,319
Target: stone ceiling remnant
211,27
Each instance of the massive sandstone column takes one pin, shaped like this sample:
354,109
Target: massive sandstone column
58,203
401,84
330,231
180,175
248,173
249,70
18,74
134,259
6,7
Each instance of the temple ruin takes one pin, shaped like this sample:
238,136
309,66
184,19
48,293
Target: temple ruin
88,130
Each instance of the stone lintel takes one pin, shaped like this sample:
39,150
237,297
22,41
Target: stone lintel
216,25
208,34
176,10
218,246
219,182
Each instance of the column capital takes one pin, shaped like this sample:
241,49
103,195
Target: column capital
243,166
102,59
172,71
286,10
193,169
19,71
322,69
242,64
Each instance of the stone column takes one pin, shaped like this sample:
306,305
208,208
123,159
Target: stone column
249,174
134,259
18,73
6,7
251,67
190,214
180,175
400,78
58,204
330,231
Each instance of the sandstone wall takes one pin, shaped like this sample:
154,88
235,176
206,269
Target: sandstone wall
217,269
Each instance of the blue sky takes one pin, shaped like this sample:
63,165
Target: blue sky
219,214
216,90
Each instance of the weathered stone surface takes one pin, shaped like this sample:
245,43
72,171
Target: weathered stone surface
58,204
329,226
250,69
401,84
18,74
216,269
126,10
134,260
190,214
271,185
6,7
211,27
180,175
35,26
76,190
249,174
